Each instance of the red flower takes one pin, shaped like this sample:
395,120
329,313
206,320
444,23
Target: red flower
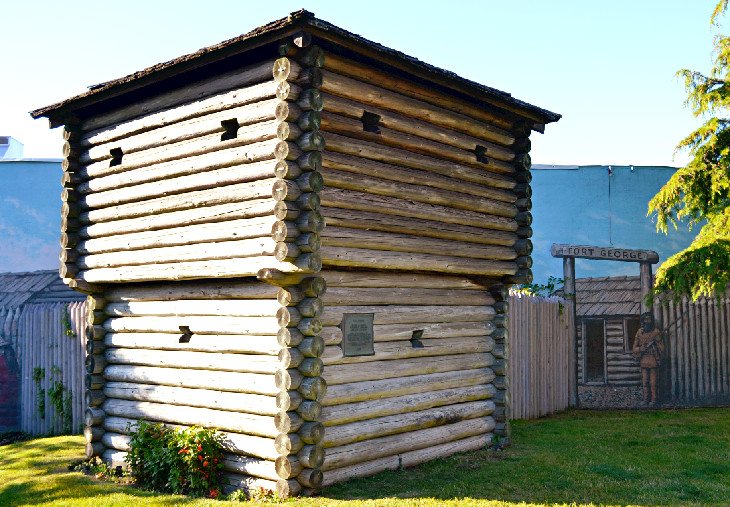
205,463
200,447
213,493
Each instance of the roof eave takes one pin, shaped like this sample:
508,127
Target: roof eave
67,111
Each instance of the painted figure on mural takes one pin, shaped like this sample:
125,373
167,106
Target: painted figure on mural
648,349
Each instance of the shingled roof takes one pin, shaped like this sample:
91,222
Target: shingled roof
616,295
207,61
35,287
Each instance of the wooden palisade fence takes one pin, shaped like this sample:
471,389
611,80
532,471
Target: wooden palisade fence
539,356
698,335
50,340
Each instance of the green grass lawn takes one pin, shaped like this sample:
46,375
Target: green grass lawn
602,458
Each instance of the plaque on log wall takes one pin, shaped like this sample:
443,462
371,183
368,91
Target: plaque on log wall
357,334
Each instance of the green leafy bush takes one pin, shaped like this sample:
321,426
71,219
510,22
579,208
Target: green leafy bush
188,461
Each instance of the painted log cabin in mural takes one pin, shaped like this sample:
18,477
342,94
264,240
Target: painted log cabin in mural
195,202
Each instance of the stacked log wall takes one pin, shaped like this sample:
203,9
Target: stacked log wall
419,181
211,353
200,182
622,369
428,391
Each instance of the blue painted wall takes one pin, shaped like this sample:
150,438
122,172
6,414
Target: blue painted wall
30,214
592,205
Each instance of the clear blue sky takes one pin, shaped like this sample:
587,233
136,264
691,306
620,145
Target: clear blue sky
608,67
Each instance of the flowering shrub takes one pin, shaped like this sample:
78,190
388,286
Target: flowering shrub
168,460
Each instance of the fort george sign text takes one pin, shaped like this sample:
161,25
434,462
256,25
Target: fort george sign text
604,253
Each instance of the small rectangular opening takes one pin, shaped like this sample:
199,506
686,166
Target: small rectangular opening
117,155
370,122
595,357
481,154
416,342
231,129
631,327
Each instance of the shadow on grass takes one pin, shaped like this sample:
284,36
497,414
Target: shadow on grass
619,458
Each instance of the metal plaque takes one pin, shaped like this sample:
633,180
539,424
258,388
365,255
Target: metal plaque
357,334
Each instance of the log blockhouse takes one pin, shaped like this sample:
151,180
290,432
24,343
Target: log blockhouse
195,199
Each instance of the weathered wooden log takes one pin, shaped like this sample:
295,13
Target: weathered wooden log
340,85
378,279
208,289
196,252
310,326
499,204
396,156
247,144
204,398
244,363
400,314
94,382
362,410
95,364
93,416
209,153
366,202
402,332
197,324
243,267
397,122
313,388
260,169
342,374
469,184
337,296
254,467
288,400
287,444
404,349
288,422
287,380
187,307
94,398
251,424
94,449
368,220
311,478
309,410
241,344
312,346
339,435
282,488
353,128
239,81
289,337
523,247
223,212
201,233
311,456
95,347
250,115
311,367
405,459
252,383
93,433
361,257
494,110
116,441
